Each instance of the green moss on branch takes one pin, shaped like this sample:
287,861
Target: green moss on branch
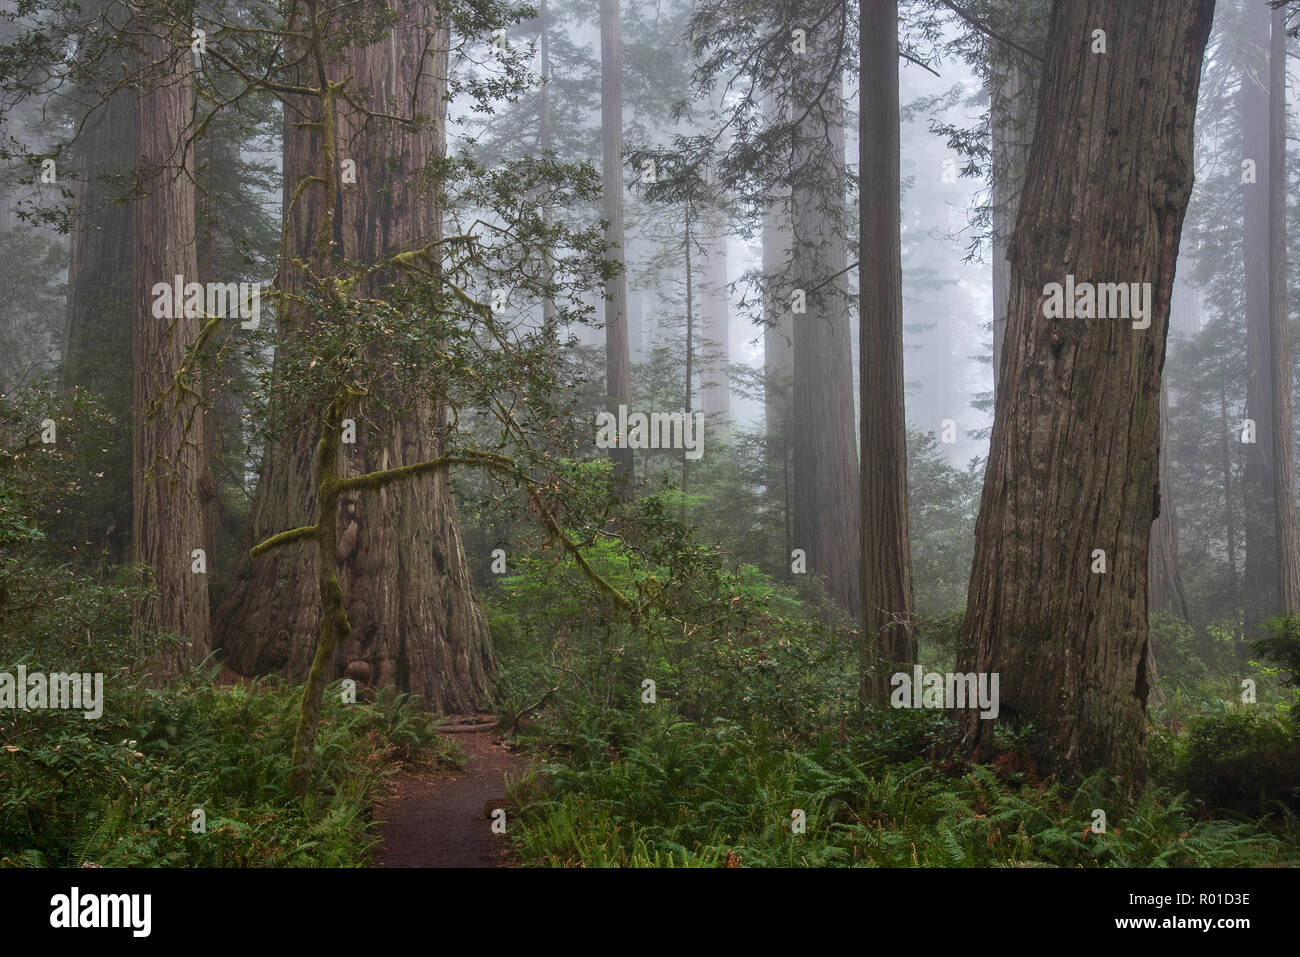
282,538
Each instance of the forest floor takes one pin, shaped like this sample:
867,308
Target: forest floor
443,819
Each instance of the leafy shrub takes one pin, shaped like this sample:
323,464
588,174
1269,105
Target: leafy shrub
1281,644
939,638
718,638
1244,761
122,791
1174,647
902,735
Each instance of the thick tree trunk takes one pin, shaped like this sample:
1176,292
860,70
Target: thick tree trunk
1287,533
825,437
169,437
888,639
1073,460
414,619
617,374
1260,518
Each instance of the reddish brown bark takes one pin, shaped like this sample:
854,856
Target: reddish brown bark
169,437
824,438
885,540
415,622
1073,460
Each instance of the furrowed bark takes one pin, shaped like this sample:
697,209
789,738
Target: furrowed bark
886,550
1073,463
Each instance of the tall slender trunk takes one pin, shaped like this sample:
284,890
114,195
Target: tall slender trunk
169,437
1166,585
617,374
715,335
1226,445
778,343
415,622
1073,459
98,332
8,131
825,437
1287,531
225,409
636,325
690,351
886,549
715,332
547,145
1260,519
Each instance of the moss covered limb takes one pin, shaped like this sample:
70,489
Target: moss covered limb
334,626
377,480
282,538
554,530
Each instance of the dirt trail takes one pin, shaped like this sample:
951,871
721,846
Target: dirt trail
437,819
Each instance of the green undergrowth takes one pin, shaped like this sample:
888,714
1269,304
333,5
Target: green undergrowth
681,793
752,716
124,790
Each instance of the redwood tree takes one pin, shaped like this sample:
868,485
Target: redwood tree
546,142
1073,463
778,339
414,619
169,441
98,332
617,363
1287,532
1260,517
824,435
715,335
886,545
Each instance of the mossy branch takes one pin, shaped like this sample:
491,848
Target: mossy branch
376,480
553,528
282,538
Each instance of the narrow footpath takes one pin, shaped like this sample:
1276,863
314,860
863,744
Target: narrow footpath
443,819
